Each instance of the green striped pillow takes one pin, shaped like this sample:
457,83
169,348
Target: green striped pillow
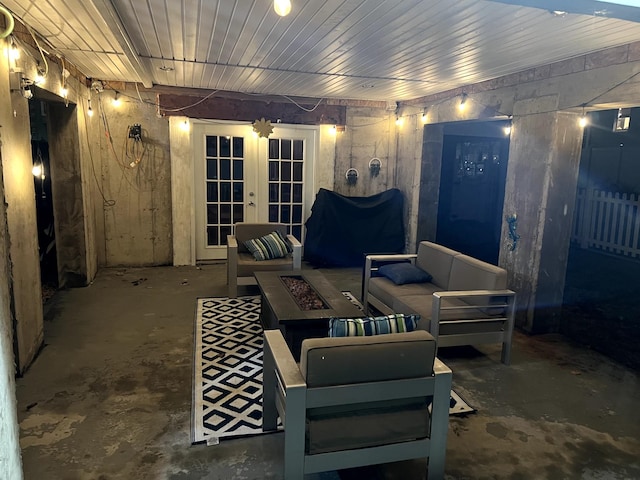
273,245
367,326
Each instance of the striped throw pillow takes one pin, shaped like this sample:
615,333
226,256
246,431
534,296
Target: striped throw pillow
273,245
367,326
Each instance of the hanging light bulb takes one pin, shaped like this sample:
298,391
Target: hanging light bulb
584,121
116,100
14,52
463,101
399,121
89,109
64,92
282,7
423,118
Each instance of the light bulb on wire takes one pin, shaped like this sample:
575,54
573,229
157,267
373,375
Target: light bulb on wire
89,109
282,7
116,100
463,101
583,121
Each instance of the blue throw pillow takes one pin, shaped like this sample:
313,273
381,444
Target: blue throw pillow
272,245
368,326
401,273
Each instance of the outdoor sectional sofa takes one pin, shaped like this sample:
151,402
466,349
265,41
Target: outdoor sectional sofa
461,300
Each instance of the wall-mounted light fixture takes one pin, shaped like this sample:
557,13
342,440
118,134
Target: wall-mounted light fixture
282,7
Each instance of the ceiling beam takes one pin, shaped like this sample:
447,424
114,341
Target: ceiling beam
581,7
106,11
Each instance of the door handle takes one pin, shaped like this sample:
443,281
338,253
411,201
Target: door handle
251,204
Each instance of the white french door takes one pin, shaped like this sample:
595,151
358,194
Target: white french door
242,178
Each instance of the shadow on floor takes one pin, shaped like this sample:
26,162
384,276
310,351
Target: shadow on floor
601,308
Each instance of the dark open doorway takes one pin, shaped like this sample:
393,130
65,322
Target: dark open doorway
44,197
473,175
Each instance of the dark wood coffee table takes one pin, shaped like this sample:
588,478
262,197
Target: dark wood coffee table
279,309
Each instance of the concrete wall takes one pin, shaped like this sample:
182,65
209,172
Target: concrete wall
133,180
19,194
10,463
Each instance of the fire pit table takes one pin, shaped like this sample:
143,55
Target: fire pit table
300,304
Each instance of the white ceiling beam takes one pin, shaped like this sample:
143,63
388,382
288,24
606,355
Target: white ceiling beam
106,11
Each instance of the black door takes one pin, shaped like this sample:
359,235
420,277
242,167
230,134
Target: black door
471,195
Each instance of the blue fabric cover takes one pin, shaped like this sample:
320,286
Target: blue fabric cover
367,326
401,273
273,245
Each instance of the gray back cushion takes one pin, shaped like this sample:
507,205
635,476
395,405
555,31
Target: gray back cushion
249,231
346,360
468,273
436,260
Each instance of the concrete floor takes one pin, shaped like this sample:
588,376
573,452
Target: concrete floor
109,397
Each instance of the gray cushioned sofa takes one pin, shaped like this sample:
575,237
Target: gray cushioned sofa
466,302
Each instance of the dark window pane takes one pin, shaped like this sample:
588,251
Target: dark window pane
238,169
273,214
297,231
238,191
274,151
238,213
224,231
285,193
285,214
212,191
225,191
225,169
285,171
212,214
212,235
297,214
297,193
298,150
212,146
273,193
225,214
274,171
285,149
212,169
297,171
225,146
238,147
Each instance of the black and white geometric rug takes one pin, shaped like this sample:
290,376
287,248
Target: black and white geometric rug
227,373
227,369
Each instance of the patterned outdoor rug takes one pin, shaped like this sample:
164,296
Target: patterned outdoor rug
227,373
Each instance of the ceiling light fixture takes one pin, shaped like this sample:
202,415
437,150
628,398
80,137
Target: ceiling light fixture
282,7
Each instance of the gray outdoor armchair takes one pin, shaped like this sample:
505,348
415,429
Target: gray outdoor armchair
356,401
241,265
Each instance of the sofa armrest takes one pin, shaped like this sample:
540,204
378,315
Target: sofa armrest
371,266
232,266
283,384
297,251
504,310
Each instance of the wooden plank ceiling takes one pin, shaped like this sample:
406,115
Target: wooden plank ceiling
347,49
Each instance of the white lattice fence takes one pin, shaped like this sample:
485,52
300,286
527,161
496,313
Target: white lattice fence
607,221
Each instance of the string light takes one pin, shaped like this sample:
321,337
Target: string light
185,126
14,52
463,101
584,121
282,7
